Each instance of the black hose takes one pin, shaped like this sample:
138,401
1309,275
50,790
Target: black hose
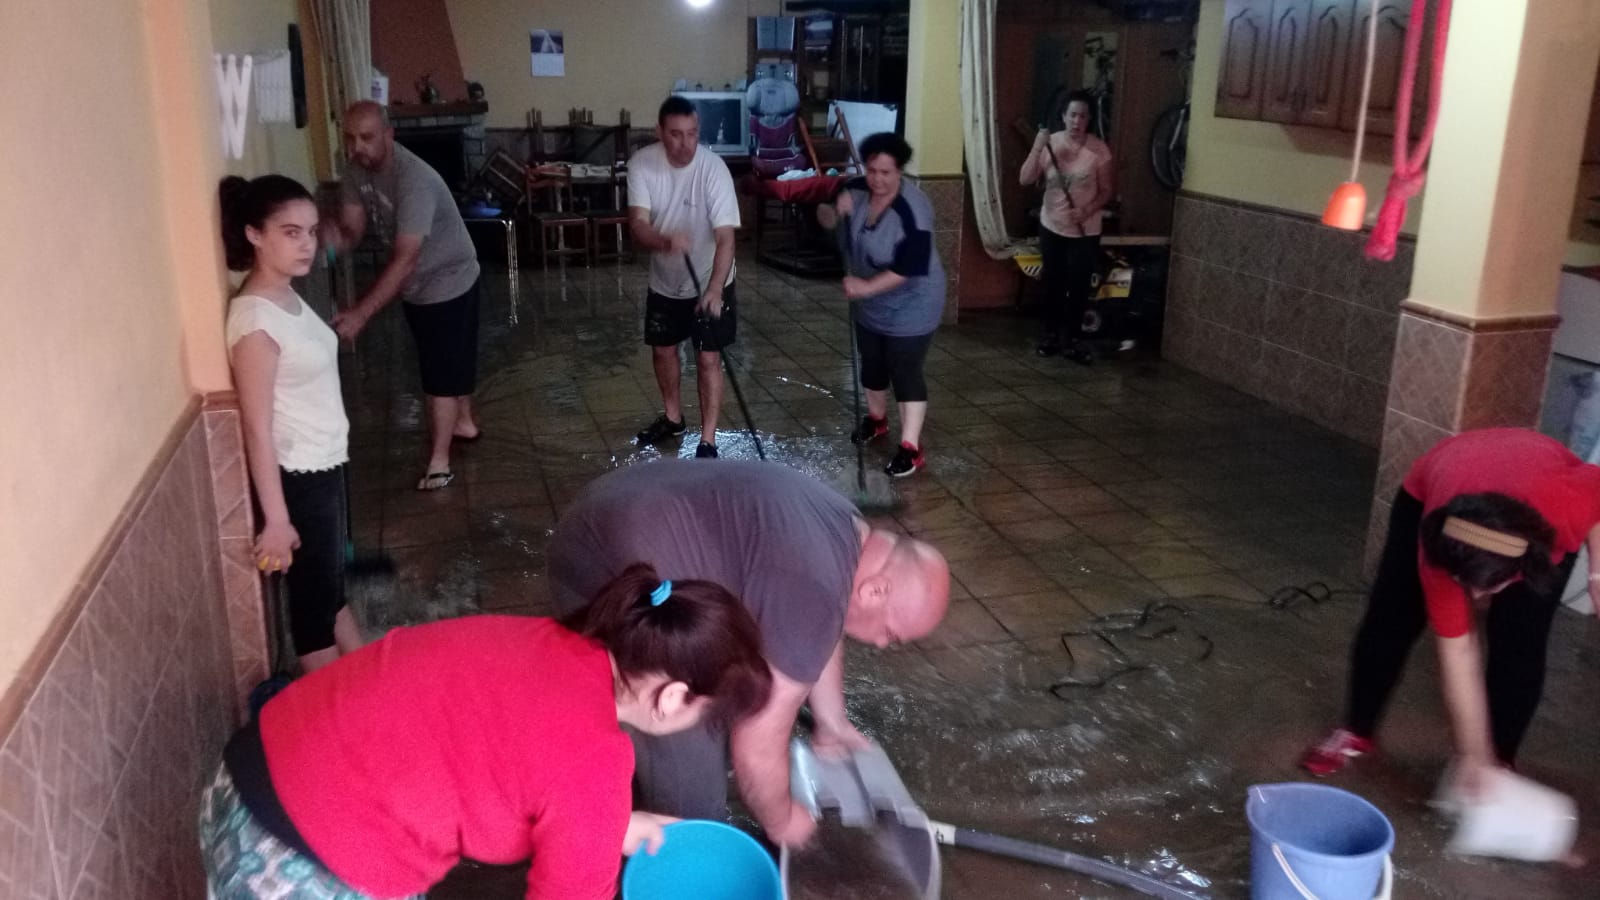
1097,869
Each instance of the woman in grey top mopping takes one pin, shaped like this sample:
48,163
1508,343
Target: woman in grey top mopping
896,285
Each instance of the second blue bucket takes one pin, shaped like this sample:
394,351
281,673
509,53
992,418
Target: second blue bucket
703,860
1333,843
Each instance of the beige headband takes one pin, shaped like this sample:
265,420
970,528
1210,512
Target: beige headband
1496,542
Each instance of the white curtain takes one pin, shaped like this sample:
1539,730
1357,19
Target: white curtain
345,28
977,102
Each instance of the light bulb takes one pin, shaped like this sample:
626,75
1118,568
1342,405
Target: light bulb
698,4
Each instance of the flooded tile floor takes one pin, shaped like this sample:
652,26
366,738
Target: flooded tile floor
1069,501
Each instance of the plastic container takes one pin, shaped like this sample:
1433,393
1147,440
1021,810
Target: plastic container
1518,818
703,860
1313,842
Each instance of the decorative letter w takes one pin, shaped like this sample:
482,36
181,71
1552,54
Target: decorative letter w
233,95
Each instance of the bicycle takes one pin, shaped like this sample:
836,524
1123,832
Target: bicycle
1169,138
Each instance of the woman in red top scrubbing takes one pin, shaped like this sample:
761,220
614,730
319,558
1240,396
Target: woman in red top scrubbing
492,738
1487,518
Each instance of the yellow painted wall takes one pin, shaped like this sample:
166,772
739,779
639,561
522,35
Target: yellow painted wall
255,26
621,54
1283,166
1506,166
91,352
108,243
934,120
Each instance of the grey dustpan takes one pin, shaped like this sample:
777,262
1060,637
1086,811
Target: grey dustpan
865,791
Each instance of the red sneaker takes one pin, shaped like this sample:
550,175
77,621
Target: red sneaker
907,460
1335,752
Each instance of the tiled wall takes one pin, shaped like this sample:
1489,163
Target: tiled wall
1279,306
101,773
948,194
1451,377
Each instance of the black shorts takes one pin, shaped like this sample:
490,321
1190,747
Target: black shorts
447,344
669,321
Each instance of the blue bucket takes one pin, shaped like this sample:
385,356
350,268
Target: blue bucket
1312,842
703,860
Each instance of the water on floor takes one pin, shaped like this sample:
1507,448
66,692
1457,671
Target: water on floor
1110,678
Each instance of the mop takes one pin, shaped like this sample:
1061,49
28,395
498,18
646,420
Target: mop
866,792
873,495
727,364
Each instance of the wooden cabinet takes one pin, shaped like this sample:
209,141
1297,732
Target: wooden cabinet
1246,44
1394,16
1299,62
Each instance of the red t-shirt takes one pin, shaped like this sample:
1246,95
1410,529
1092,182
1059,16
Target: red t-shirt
1523,464
489,737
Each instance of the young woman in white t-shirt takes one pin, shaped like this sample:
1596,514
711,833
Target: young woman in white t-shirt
286,371
1078,173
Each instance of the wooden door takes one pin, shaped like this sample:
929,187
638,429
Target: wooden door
1281,96
1394,17
1330,54
1246,43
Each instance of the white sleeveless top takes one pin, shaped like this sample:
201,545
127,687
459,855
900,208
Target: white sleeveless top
309,429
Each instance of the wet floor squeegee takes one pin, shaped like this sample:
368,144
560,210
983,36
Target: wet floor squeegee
866,792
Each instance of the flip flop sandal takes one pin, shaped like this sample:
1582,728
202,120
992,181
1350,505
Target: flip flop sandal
433,481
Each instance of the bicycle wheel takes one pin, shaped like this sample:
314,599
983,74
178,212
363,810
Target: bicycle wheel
1169,146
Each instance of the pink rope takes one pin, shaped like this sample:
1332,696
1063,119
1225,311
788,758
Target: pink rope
1406,180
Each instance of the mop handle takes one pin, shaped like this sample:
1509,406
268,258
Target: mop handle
738,394
1366,89
843,227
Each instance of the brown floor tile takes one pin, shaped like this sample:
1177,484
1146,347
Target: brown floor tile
1170,560
968,622
1080,501
1043,614
1017,506
1001,576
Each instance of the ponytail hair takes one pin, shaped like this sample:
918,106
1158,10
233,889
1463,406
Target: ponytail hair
1481,569
251,203
698,634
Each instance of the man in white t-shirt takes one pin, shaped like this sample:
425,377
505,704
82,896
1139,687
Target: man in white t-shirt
681,203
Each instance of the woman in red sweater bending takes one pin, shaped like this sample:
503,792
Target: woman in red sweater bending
494,738
1490,519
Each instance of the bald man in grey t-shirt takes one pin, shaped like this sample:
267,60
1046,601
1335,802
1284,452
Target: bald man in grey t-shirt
432,267
810,571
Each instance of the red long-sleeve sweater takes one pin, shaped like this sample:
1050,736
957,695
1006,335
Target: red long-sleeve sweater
1523,464
489,737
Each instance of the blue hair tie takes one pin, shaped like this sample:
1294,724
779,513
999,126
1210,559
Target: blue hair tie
661,593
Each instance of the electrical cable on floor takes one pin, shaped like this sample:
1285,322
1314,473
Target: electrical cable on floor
1111,628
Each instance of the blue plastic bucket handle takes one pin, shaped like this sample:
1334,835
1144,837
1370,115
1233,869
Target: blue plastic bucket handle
703,860
1313,842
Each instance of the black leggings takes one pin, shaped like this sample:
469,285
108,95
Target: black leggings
1069,267
1516,633
315,579
886,359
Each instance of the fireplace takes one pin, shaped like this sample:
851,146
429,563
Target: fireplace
447,136
441,148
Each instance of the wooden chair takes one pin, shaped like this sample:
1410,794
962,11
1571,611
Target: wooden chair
613,218
557,222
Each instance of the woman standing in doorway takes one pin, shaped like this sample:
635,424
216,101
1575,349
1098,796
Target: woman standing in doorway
286,369
896,287
1078,185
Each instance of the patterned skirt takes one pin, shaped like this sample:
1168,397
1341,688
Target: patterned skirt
245,862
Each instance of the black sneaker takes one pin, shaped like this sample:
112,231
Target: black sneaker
1048,347
660,431
907,460
705,451
869,430
1080,353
